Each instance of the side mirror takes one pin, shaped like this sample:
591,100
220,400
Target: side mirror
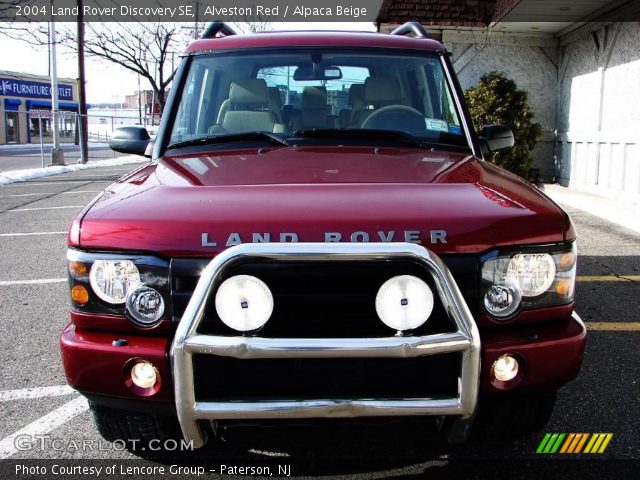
132,140
494,138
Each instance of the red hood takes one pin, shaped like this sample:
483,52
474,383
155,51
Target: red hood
379,193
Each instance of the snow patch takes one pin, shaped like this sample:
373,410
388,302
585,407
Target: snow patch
13,176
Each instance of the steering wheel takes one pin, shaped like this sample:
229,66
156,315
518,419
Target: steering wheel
396,117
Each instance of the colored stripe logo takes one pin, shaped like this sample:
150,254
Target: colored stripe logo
569,443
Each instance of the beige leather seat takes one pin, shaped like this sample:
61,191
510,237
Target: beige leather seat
314,108
247,109
275,103
356,100
378,92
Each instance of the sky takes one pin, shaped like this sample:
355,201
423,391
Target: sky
107,82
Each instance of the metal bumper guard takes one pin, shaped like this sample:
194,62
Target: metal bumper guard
187,342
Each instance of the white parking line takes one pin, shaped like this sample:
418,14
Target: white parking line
39,184
42,208
44,425
37,392
29,234
89,173
48,193
37,281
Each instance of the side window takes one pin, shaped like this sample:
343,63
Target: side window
415,92
189,113
443,111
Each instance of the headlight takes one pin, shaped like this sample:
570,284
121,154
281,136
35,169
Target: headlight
112,279
244,303
532,272
528,279
104,284
404,302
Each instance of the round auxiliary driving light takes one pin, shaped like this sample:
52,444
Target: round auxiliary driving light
502,300
244,303
404,302
505,368
144,374
145,305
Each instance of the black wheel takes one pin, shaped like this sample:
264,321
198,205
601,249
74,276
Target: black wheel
136,429
512,415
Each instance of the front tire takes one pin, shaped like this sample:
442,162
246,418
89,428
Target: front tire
512,415
136,429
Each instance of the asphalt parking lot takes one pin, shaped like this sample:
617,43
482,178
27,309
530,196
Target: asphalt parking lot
34,218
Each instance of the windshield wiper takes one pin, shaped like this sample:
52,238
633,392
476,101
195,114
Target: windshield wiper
358,133
230,138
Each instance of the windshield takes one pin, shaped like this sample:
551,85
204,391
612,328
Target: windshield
318,94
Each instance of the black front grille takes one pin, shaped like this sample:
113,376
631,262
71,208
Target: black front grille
223,378
325,299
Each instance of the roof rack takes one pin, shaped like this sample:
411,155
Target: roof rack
217,27
411,27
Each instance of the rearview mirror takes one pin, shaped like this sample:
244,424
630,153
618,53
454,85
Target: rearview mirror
494,138
317,72
133,140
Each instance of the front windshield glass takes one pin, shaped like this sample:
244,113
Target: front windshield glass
288,94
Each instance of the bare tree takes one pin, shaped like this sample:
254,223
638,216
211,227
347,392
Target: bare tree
148,49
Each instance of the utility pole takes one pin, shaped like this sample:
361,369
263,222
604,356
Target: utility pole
57,155
139,101
82,94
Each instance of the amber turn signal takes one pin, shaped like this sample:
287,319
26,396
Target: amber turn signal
78,269
79,294
563,287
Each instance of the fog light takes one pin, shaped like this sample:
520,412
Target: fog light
79,294
404,302
144,374
505,368
244,303
502,300
145,305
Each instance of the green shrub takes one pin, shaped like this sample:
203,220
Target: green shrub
497,101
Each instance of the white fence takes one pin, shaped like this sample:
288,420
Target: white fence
602,164
36,126
26,138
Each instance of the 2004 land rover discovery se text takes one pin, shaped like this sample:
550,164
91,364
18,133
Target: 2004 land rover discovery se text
318,236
